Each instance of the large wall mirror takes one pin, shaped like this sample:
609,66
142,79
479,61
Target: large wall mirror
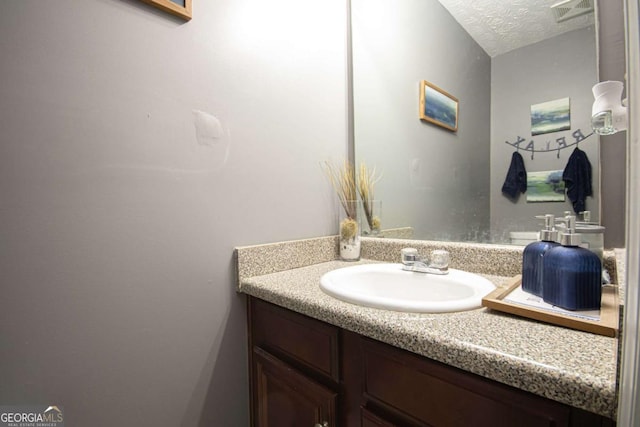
516,73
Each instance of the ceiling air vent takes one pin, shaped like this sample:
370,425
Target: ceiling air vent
569,9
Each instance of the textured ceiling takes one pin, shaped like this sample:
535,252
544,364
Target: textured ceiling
500,26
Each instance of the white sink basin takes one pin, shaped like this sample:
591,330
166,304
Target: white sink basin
390,287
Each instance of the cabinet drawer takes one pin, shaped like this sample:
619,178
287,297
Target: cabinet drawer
369,419
427,392
299,340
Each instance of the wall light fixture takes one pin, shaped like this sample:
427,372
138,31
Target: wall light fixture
609,112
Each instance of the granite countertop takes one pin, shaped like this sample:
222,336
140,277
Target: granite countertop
568,366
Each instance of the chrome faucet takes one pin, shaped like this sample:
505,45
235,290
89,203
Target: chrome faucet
439,263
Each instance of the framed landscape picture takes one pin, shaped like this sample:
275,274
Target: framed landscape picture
438,107
545,186
551,116
181,8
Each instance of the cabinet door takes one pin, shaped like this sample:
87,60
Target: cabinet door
283,397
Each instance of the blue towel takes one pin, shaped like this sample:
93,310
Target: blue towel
516,180
577,179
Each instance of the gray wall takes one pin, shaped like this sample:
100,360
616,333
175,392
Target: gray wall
118,225
433,179
561,67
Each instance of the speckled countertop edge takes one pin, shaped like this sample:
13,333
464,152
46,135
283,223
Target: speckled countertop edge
572,367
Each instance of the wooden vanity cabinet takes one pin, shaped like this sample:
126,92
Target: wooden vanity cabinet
305,372
294,368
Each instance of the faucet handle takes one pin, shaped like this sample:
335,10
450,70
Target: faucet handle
440,259
409,255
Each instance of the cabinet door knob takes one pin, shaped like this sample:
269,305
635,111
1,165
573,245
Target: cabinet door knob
324,424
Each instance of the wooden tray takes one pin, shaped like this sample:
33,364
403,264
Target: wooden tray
609,311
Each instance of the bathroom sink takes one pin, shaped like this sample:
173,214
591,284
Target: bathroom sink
390,287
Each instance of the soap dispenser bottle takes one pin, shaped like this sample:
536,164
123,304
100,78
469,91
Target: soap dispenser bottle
572,275
532,268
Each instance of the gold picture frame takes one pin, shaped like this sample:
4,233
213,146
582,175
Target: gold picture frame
180,8
438,106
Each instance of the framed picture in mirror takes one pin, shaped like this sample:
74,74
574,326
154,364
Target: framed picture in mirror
180,8
551,116
438,106
545,186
